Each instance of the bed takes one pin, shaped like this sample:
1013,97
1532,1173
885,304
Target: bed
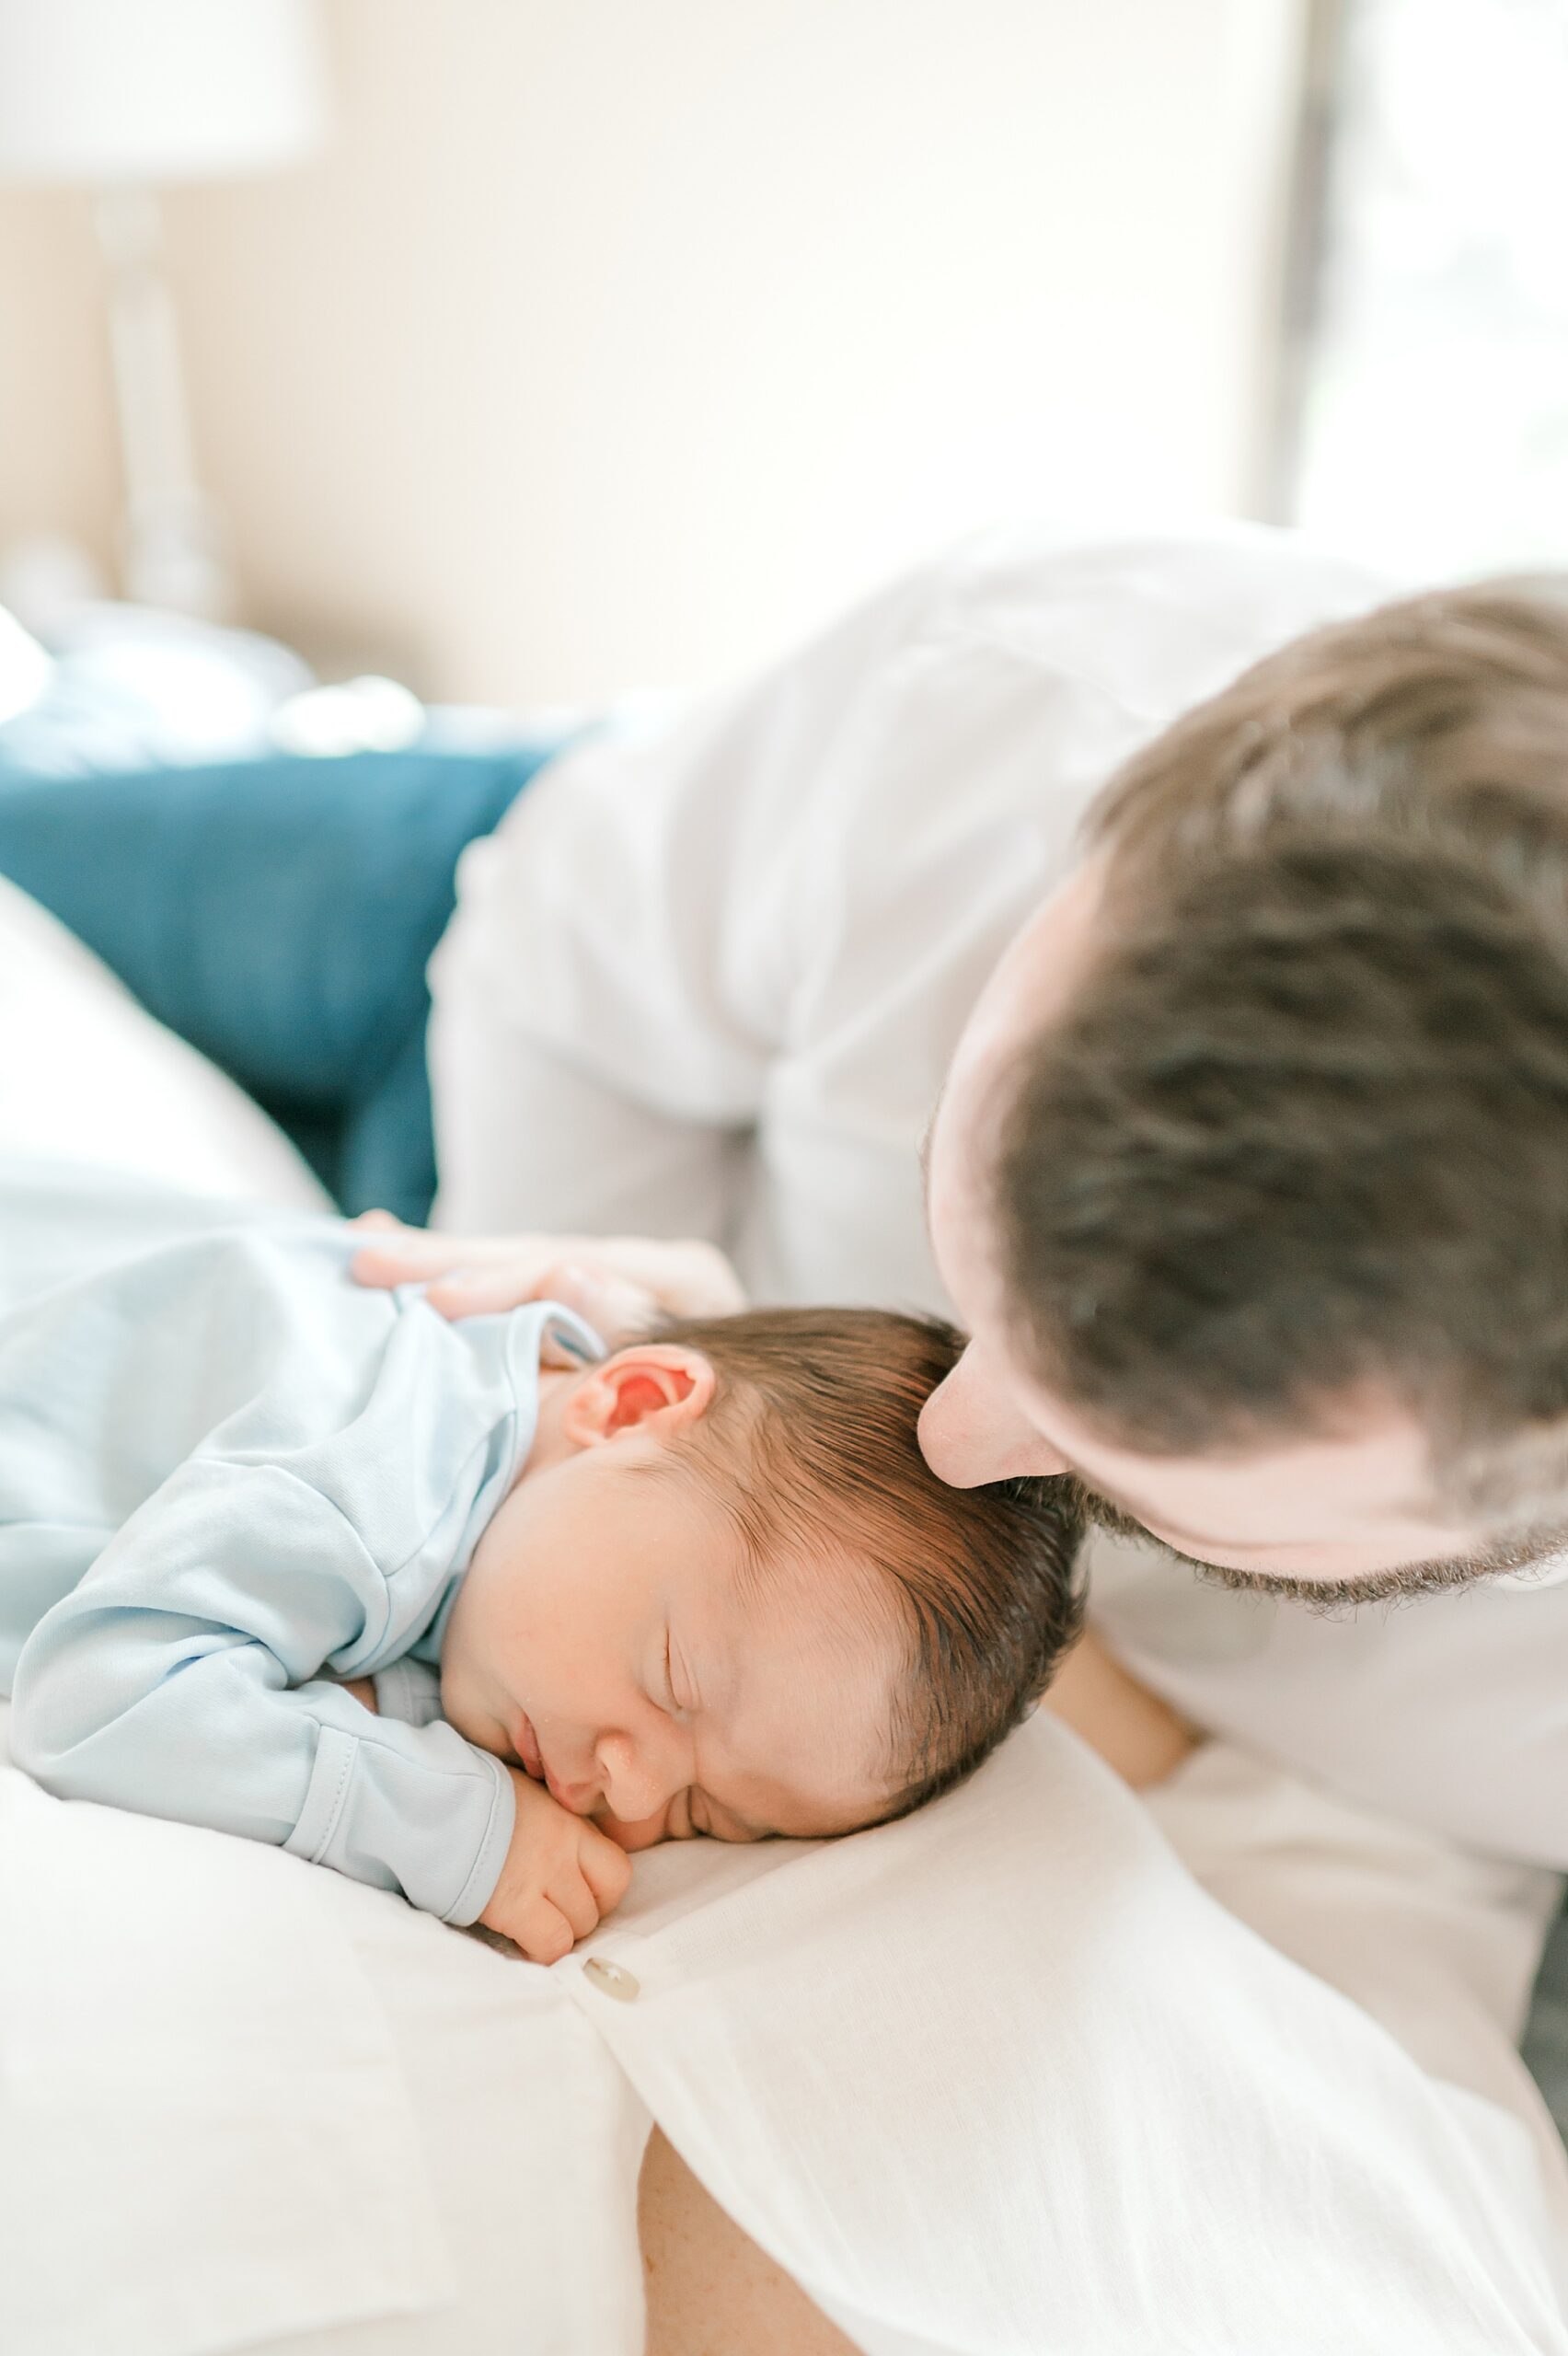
1039,2069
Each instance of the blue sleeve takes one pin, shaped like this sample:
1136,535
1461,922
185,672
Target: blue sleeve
410,1689
182,1678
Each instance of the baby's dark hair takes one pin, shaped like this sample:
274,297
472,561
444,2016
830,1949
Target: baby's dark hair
828,1401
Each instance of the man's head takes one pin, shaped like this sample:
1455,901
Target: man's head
1251,1173
727,1595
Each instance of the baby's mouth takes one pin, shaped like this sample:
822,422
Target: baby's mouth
532,1760
526,1742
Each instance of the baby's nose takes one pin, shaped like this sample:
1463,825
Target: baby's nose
636,1783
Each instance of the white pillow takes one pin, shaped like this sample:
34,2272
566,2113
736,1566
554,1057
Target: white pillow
247,2099
86,1074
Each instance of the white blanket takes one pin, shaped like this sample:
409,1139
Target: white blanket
1002,2078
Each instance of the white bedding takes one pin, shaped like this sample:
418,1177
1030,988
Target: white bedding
246,2105
86,1074
1003,2078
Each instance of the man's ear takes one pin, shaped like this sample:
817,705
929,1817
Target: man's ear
653,1387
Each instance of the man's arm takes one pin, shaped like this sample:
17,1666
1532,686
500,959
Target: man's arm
608,993
708,2283
1131,1729
706,983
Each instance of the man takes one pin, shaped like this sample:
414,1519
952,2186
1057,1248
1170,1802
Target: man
1245,1170
1247,1166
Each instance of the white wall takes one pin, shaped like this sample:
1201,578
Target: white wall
617,341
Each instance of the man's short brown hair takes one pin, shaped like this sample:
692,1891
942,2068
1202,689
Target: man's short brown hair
812,1443
1304,1129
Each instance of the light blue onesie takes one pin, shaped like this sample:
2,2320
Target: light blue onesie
225,1470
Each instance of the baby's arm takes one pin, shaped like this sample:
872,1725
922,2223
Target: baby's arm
188,1676
561,1874
1133,1730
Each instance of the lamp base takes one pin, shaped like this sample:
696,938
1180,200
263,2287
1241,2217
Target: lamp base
173,556
173,543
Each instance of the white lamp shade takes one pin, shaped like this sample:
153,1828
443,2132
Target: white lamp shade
145,91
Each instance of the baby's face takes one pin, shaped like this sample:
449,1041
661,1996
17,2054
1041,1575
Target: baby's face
607,1638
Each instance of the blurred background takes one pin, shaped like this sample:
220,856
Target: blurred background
538,350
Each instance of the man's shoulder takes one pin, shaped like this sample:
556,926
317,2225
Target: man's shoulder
1002,685
1168,611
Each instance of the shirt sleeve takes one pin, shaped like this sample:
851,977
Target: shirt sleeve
183,1678
708,982
409,1690
625,962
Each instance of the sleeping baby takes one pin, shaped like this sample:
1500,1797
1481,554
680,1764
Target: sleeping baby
419,1601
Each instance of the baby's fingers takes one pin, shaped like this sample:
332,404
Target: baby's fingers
542,1931
571,1893
607,1868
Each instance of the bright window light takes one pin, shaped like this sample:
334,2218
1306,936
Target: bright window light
1432,430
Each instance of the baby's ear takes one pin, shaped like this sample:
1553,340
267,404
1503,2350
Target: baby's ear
654,1387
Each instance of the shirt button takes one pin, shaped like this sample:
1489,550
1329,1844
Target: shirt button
611,1980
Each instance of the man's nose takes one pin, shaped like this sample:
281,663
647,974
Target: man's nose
972,1429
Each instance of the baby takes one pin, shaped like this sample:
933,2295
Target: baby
704,1584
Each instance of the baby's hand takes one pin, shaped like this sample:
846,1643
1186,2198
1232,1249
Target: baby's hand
560,1877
